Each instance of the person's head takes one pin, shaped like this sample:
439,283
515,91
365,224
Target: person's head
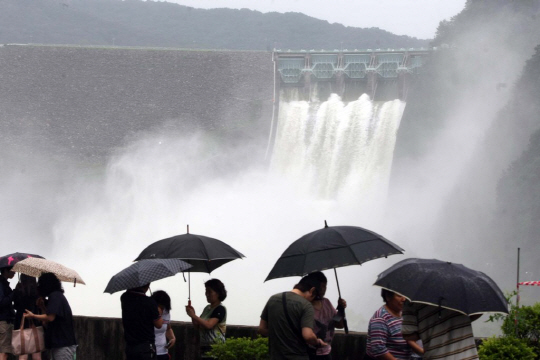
28,285
47,283
142,289
319,276
392,300
215,291
162,299
7,272
309,287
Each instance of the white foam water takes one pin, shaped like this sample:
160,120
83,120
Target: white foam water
334,148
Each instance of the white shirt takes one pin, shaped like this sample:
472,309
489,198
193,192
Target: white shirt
161,339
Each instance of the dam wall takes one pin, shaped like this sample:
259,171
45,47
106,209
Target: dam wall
90,100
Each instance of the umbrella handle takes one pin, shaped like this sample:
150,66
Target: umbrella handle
341,309
337,283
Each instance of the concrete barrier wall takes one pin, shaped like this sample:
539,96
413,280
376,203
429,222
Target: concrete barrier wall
103,339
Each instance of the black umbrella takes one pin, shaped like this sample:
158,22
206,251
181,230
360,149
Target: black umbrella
12,259
205,253
329,248
441,283
144,272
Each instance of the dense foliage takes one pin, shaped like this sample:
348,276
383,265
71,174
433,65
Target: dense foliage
479,47
478,99
162,24
521,334
503,348
241,349
518,197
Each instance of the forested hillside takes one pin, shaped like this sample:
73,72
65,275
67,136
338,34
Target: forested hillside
518,191
161,24
470,132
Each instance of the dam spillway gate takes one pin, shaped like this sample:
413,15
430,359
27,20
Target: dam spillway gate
382,74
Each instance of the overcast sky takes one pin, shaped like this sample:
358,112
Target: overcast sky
418,18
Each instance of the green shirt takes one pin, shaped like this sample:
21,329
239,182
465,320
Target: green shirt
284,342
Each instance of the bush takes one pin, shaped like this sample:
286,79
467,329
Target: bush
528,324
241,349
507,347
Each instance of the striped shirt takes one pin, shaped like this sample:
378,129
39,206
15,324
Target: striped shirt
446,334
384,336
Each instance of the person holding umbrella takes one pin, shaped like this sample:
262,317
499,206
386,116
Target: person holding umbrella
445,298
384,340
287,320
7,312
326,318
212,322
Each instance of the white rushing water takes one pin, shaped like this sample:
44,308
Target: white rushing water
334,148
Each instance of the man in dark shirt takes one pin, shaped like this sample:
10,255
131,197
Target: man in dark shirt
7,313
140,314
288,319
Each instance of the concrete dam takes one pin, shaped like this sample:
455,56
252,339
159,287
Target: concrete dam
87,101
331,118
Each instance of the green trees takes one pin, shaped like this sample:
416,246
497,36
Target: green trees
521,334
500,348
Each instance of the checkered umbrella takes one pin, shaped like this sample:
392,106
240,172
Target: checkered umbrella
144,272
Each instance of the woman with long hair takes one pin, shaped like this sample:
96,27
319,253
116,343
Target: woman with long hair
59,333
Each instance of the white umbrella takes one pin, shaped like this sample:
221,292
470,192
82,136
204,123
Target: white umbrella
35,267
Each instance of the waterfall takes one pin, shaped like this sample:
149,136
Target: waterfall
332,147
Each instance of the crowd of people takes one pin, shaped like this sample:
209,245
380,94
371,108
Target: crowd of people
299,324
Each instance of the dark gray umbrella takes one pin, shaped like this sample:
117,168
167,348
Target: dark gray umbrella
332,247
204,253
329,248
144,272
441,283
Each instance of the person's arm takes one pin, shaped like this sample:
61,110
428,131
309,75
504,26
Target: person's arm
409,324
169,334
263,328
158,323
411,337
386,356
311,338
415,347
196,320
158,319
378,335
5,300
306,322
42,317
341,323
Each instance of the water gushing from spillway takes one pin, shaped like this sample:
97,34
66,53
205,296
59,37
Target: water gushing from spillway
334,148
